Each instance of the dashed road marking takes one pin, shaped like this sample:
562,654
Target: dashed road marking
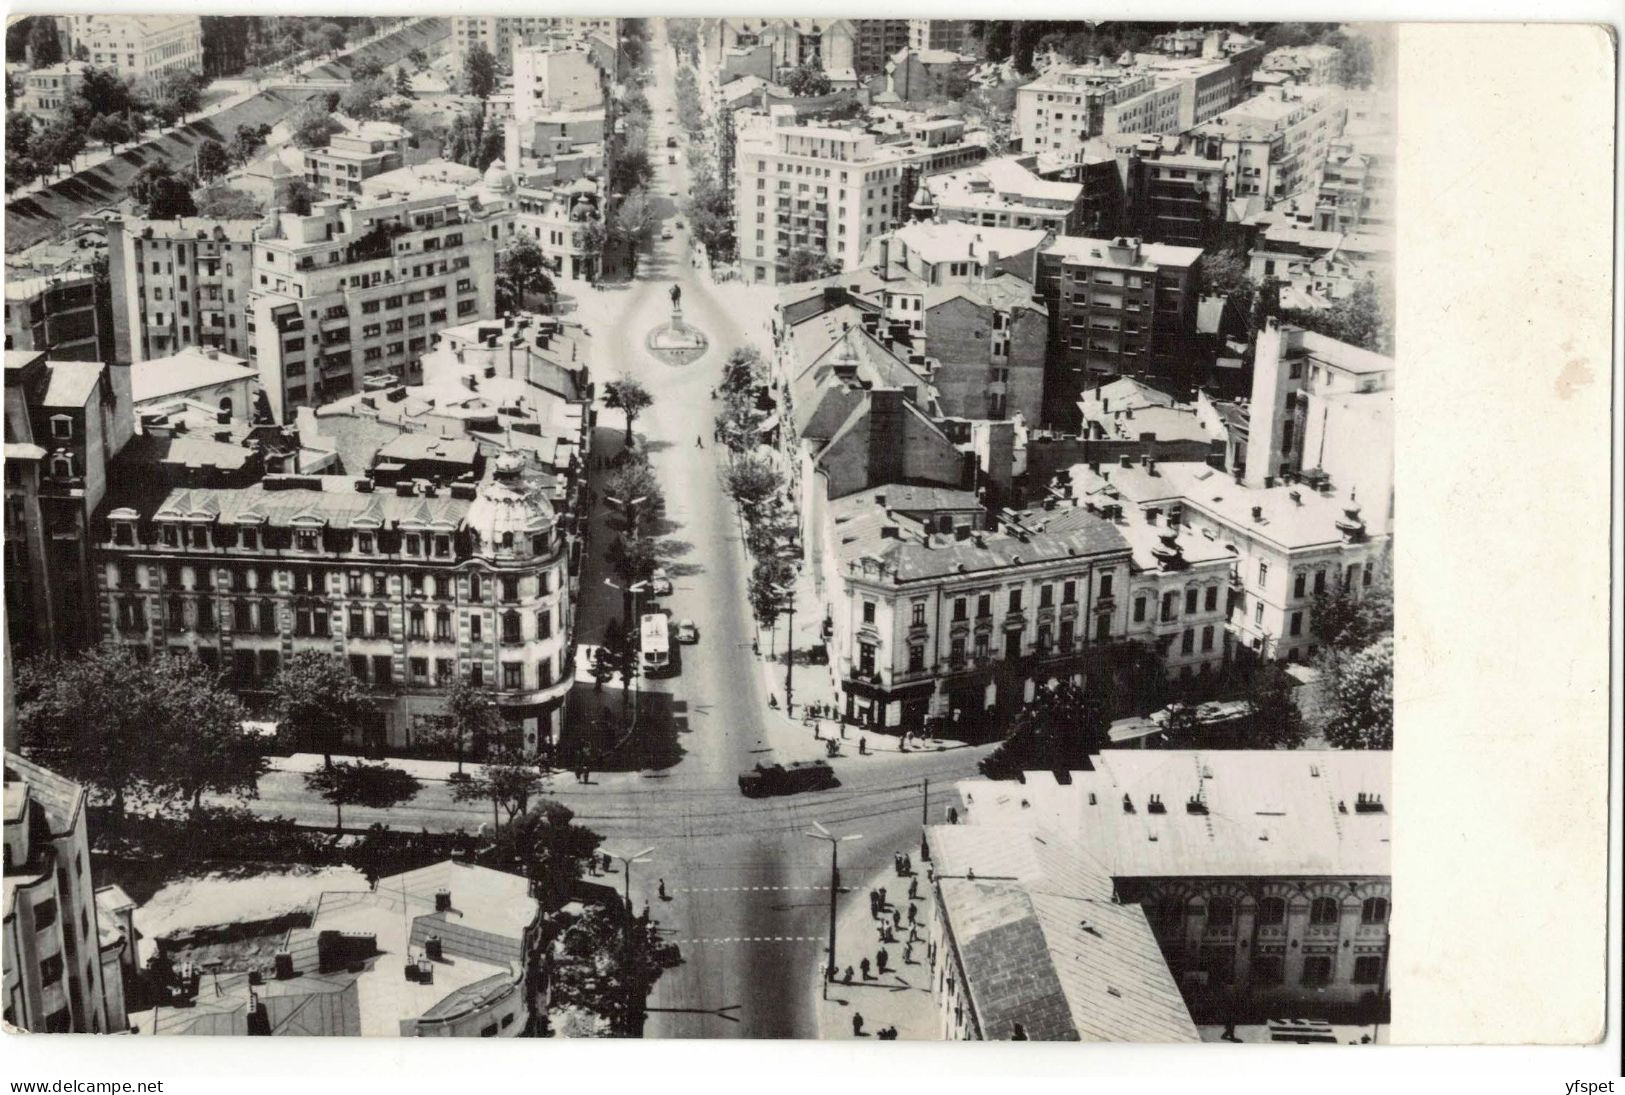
754,939
744,889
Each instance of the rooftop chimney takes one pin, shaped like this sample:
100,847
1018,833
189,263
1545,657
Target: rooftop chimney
442,900
1258,513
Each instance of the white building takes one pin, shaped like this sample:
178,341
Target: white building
1275,143
220,381
832,189
135,46
50,89
500,34
548,80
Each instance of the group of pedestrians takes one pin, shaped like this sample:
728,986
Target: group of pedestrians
896,924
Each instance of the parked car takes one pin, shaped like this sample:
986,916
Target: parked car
660,582
671,142
787,779
678,224
671,158
665,233
687,632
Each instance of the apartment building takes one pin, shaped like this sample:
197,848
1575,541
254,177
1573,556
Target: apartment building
1170,196
437,566
830,44
363,150
923,75
1287,543
1273,144
954,35
1321,413
502,34
1117,306
548,80
1312,66
1006,193
64,958
935,616
833,189
178,283
1290,910
49,89
875,42
135,46
225,384
351,289
1356,192
66,314
1063,109
65,422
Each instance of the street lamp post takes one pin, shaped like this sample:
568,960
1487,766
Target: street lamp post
629,604
834,843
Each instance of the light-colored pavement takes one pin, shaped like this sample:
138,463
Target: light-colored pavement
899,998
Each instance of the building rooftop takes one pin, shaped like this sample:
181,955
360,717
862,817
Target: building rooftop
318,500
72,383
1130,254
1352,359
955,241
1133,424
204,228
1005,292
914,498
185,371
1269,813
1044,944
1000,183
60,797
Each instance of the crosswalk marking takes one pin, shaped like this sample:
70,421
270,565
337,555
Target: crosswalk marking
753,939
744,889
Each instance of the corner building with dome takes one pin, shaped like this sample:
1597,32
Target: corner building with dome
437,565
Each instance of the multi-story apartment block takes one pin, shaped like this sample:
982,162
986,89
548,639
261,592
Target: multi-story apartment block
501,34
1006,193
954,35
360,152
830,44
1063,109
1169,196
1321,413
1311,66
1357,186
876,42
179,283
65,422
64,959
68,315
934,616
1289,910
51,88
350,289
1273,144
1287,543
833,189
1117,306
557,219
432,569
135,46
923,75
548,80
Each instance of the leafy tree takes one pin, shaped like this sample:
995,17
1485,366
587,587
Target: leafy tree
111,130
633,559
737,425
997,40
418,60
366,68
636,220
212,160
319,702
806,81
1356,66
1059,730
472,141
43,41
631,168
742,371
20,168
1025,42
769,579
403,83
1276,722
752,481
225,203
362,98
312,125
299,197
608,962
358,783
524,274
479,72
1364,318
631,480
807,264
469,719
57,143
143,186
13,90
630,397
509,778
101,92
247,141
1351,619
1224,274
329,38
174,94
162,728
602,667
544,844
1361,700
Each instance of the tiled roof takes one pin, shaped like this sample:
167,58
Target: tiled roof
1006,292
338,505
60,797
913,498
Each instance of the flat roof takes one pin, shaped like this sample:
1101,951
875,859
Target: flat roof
185,371
1089,251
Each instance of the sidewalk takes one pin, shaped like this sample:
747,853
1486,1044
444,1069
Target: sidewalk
901,997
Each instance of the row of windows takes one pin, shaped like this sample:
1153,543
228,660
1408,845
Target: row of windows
1221,912
313,580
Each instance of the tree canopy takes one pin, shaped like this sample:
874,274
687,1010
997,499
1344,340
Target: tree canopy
225,203
359,783
319,702
312,125
1060,729
806,81
806,264
479,71
1360,703
627,395
544,844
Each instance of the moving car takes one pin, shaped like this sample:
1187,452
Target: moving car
660,582
671,159
665,233
786,779
671,142
678,223
687,632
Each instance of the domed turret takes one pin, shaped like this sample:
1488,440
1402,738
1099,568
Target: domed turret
1350,524
497,176
923,206
508,515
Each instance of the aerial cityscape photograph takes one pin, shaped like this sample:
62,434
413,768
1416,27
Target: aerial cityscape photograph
691,528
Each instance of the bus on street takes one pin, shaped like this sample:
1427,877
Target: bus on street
654,644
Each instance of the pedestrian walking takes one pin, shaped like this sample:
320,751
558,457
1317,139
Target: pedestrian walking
897,918
902,744
913,889
908,864
846,978
913,933
663,894
863,746
897,863
857,1024
882,898
874,903
913,914
881,958
864,965
699,441
908,953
